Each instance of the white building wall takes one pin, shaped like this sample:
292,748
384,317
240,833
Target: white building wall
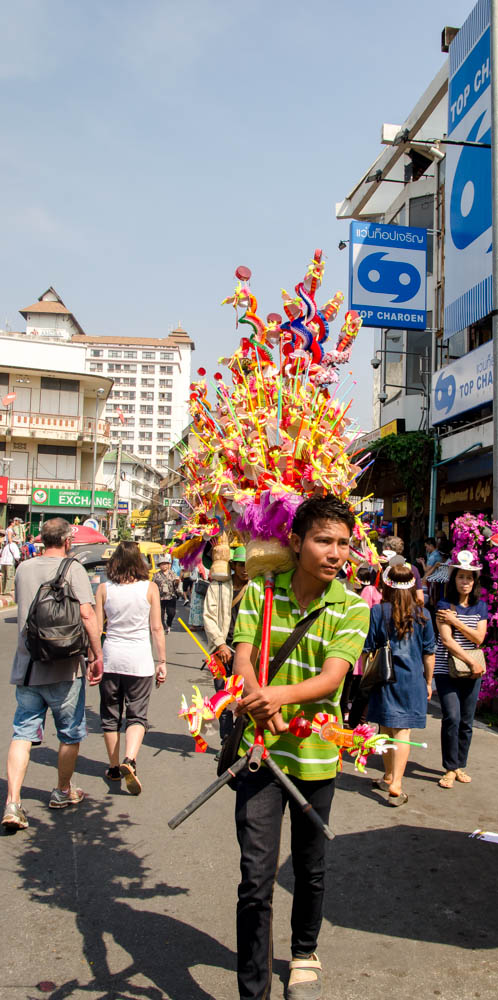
50,325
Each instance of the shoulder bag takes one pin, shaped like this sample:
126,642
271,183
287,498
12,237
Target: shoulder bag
457,668
379,668
230,749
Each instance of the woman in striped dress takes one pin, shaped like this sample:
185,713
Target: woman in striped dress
462,621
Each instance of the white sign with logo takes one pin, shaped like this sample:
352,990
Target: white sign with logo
468,265
91,522
463,385
388,275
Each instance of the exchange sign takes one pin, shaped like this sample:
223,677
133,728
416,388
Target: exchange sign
388,275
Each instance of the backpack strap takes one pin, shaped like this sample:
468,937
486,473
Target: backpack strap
63,571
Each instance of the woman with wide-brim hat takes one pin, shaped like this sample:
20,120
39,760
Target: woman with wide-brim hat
462,622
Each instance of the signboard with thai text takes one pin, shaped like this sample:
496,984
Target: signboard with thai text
463,384
388,275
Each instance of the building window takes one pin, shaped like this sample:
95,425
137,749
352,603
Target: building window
393,364
165,383
96,354
146,409
148,354
418,358
56,462
146,395
96,367
148,368
146,422
129,354
167,356
59,395
115,354
147,381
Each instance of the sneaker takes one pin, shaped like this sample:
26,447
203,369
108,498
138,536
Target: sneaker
186,601
128,771
305,981
73,797
14,817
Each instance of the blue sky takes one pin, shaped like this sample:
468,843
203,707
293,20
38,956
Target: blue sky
150,147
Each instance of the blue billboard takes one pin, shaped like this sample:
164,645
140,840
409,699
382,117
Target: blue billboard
463,385
388,275
468,265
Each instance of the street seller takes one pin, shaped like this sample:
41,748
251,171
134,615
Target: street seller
310,681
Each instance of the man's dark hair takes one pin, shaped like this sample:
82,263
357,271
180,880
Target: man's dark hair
431,541
54,532
327,508
127,564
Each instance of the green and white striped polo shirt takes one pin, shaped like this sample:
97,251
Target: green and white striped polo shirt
340,631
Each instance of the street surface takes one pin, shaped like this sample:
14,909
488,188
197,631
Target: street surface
107,903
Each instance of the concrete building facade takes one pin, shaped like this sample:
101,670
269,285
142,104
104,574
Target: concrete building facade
53,430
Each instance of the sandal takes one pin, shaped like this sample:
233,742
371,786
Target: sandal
128,771
381,783
462,776
113,773
305,981
397,800
448,780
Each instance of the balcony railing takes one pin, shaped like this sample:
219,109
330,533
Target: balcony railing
31,424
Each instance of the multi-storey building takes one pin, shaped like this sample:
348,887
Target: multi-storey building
148,406
53,431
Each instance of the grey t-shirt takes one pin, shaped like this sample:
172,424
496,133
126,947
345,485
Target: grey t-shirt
29,576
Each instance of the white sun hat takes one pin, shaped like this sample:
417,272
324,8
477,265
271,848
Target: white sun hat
465,560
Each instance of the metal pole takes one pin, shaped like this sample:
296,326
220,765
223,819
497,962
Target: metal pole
494,178
94,469
117,480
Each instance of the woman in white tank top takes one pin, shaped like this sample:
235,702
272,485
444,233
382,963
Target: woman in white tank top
131,607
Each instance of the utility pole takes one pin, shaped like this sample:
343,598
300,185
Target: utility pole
494,255
98,394
117,481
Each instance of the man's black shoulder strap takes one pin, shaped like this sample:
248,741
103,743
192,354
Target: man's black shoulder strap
291,642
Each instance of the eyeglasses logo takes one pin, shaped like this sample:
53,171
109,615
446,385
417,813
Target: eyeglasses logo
472,180
389,277
444,393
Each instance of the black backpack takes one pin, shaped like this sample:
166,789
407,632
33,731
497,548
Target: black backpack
54,630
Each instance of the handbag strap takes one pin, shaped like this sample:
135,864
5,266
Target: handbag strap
291,642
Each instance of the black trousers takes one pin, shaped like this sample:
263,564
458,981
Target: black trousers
168,612
259,809
458,699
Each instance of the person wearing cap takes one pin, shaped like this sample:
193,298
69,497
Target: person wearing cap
461,620
221,607
400,706
169,588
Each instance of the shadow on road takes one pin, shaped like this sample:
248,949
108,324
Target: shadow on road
80,862
412,883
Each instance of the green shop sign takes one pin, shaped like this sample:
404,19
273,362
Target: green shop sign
76,499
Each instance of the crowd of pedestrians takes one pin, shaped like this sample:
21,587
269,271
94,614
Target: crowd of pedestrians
391,607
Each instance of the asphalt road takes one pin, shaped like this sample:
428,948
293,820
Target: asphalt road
105,901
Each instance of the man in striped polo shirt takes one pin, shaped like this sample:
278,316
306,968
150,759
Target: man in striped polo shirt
310,681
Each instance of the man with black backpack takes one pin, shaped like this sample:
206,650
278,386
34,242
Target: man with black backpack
56,623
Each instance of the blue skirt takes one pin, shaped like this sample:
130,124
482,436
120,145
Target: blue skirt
402,705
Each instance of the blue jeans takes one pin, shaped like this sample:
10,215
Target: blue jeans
259,809
66,701
458,700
